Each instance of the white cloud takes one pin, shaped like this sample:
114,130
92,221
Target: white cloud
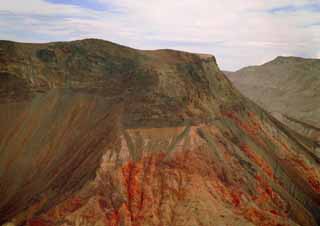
238,32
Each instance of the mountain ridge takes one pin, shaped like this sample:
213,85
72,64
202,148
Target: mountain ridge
288,85
183,147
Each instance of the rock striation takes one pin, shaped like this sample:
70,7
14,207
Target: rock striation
94,133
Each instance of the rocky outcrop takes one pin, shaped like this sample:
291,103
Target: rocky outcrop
158,87
180,145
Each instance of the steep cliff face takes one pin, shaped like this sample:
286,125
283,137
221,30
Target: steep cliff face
287,87
180,145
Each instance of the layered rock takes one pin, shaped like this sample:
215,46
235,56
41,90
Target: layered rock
181,146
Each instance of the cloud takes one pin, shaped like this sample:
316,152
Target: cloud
312,7
238,32
89,4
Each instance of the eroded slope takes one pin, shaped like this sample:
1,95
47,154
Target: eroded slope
286,87
182,148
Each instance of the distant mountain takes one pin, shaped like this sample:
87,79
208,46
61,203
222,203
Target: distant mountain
94,133
288,87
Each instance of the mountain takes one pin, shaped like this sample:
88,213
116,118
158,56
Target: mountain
288,87
94,133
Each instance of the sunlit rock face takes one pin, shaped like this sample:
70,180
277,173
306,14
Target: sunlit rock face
288,87
99,134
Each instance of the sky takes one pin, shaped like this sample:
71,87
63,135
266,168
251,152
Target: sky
238,32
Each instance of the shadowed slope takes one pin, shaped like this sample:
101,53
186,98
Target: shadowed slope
51,147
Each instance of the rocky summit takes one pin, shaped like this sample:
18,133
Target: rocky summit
97,134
